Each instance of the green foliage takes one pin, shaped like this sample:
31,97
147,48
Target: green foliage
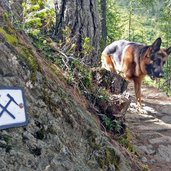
30,60
102,94
76,72
81,73
33,8
87,48
38,16
111,158
125,140
114,25
34,22
149,81
111,124
132,20
43,45
67,43
107,122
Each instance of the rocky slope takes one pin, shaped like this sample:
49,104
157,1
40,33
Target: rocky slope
61,134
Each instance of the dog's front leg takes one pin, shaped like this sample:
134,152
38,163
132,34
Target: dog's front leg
137,88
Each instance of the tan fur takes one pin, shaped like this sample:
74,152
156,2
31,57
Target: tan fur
107,63
128,66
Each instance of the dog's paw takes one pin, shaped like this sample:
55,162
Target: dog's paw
134,108
142,111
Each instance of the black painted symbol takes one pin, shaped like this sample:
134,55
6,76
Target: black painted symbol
4,108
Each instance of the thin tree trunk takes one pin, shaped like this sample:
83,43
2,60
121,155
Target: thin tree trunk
129,31
130,19
103,21
60,9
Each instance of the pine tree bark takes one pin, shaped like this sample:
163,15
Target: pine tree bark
103,21
82,17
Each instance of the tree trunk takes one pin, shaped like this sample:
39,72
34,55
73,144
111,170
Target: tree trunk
81,16
103,21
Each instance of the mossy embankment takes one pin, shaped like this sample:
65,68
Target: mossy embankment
63,130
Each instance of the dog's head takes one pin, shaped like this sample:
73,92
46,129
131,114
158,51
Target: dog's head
155,59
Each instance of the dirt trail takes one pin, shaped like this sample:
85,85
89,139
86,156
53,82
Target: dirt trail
152,129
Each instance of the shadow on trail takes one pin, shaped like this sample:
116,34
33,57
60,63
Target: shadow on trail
151,128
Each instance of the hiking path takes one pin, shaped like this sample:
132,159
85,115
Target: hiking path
151,128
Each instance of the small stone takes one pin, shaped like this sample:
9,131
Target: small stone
144,159
152,161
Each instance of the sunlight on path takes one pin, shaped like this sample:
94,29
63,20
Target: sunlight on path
152,128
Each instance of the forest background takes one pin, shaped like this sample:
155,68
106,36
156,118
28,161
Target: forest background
138,21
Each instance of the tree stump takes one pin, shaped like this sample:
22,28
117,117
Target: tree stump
111,81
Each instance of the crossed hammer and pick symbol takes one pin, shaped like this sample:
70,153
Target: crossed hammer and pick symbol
4,108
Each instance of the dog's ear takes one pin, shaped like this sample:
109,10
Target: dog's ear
156,45
168,50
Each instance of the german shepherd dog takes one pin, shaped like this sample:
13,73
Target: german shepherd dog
133,61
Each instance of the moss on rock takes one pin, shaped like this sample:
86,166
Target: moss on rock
9,34
10,38
111,159
30,60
